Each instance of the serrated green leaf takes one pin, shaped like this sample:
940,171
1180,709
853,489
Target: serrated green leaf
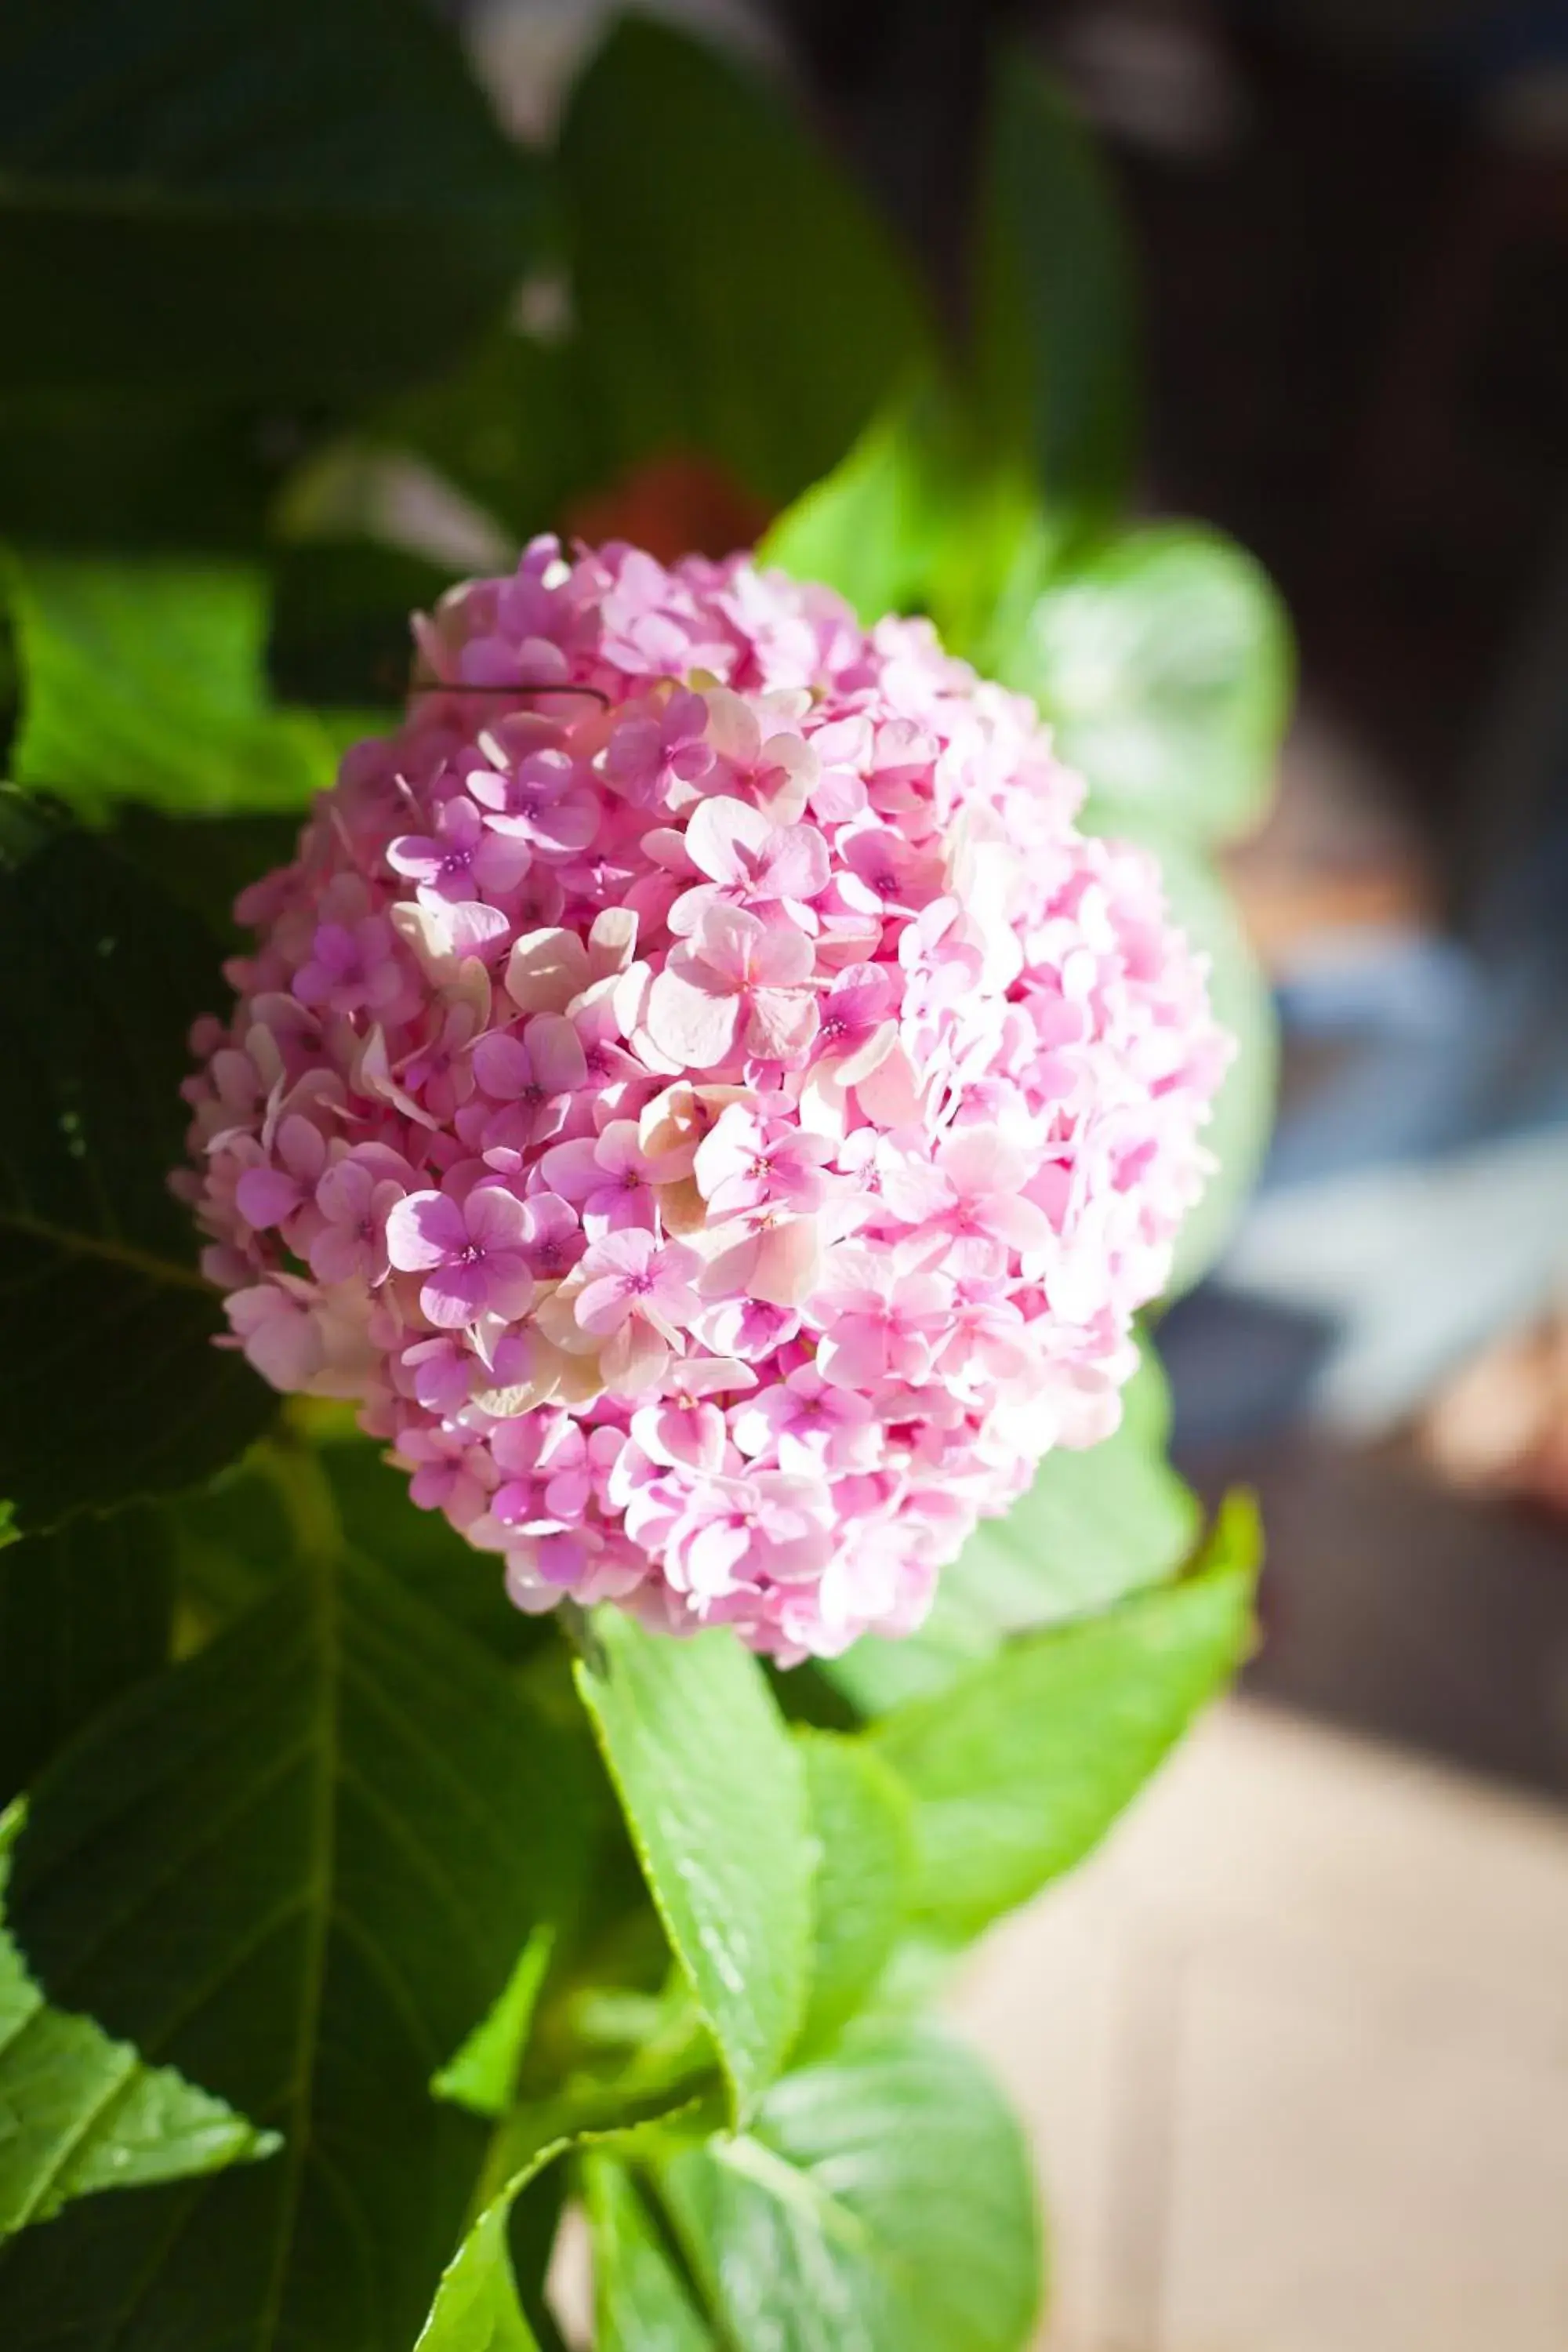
144,682
1019,1767
85,1613
861,1820
109,1387
882,2199
79,2113
1056,358
299,1867
1163,664
1094,1525
762,330
640,2301
715,1795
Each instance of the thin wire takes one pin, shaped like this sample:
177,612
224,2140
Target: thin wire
521,687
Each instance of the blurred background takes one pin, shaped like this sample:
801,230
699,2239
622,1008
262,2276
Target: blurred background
1296,2045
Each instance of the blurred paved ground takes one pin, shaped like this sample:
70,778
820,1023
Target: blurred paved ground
1294,2051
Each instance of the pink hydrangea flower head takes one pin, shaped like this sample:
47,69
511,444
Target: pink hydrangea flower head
699,1093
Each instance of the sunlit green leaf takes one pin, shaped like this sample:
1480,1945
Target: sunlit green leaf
1021,1766
1163,668
860,1819
144,682
715,1795
883,2199
640,2301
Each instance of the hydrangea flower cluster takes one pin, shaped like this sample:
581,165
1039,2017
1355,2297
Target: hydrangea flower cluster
699,1094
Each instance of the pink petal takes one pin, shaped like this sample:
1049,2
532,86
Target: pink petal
424,1230
266,1196
495,1219
692,1016
559,1062
780,1024
726,837
795,865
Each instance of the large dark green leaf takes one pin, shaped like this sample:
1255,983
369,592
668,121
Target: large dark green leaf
84,1614
732,295
1057,362
145,682
1019,1767
1163,668
248,196
423,1550
299,1868
1093,1527
715,1795
341,621
80,2112
883,2202
107,465
108,1385
516,427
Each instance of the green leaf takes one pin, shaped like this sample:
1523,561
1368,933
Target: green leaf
1163,665
1056,359
1093,1527
299,1867
422,1550
85,1613
1021,1766
482,2077
144,682
108,1384
763,328
258,196
204,861
515,429
341,621
883,2200
860,1818
640,2301
477,2305
876,527
80,2112
1243,1115
715,1795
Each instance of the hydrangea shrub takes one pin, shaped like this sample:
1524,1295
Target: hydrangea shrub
582,1481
